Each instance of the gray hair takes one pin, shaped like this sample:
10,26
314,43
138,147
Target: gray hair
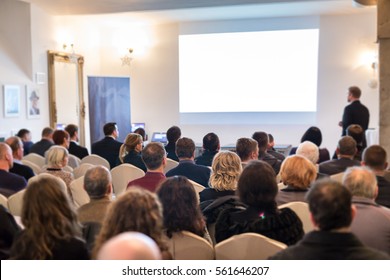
97,181
56,156
309,150
361,181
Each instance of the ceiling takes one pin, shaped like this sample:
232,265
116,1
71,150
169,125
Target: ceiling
190,10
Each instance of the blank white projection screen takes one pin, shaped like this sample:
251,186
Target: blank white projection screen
267,71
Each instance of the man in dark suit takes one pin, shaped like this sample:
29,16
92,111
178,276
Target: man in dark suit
74,148
108,147
185,151
262,140
346,150
45,143
355,113
211,147
19,168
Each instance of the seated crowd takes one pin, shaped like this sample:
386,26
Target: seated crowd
216,195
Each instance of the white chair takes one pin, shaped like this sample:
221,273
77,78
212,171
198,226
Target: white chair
33,166
197,187
81,170
281,186
247,246
96,160
35,158
15,203
4,201
74,161
80,196
302,210
185,245
122,175
338,177
170,165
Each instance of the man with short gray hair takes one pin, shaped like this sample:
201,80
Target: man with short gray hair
98,185
372,222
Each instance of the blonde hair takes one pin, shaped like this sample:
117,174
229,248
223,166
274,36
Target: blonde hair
56,156
130,143
297,171
226,169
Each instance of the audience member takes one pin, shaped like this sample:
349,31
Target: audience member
181,207
372,222
375,157
130,151
74,148
314,135
346,150
98,185
10,183
45,143
310,151
357,133
18,167
129,246
297,173
185,150
154,157
262,140
331,213
135,210
25,135
211,147
8,231
62,138
257,189
271,150
247,149
173,134
51,230
141,132
108,147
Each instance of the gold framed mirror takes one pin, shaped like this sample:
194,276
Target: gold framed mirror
66,91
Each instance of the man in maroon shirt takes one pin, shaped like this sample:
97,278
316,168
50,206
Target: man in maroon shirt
154,157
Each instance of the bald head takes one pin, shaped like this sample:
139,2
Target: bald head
6,159
129,246
16,145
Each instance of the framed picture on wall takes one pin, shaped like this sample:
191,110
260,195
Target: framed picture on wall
32,101
11,101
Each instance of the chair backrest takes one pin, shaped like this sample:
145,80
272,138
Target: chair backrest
35,158
247,246
15,203
96,160
198,188
170,164
3,201
74,161
302,210
185,245
35,168
80,196
338,177
81,170
281,186
122,175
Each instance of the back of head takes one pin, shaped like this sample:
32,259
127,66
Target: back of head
356,132
361,182
5,151
347,146
71,129
257,186
141,132
129,246
132,140
262,140
173,134
211,142
97,182
245,147
297,171
312,134
309,150
153,155
56,156
109,128
59,137
185,148
330,205
355,91
226,169
22,133
375,157
47,132
15,143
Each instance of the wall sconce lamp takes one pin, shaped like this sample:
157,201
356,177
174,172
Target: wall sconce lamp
72,56
373,82
127,58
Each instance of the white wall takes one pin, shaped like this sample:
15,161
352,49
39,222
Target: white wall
154,75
